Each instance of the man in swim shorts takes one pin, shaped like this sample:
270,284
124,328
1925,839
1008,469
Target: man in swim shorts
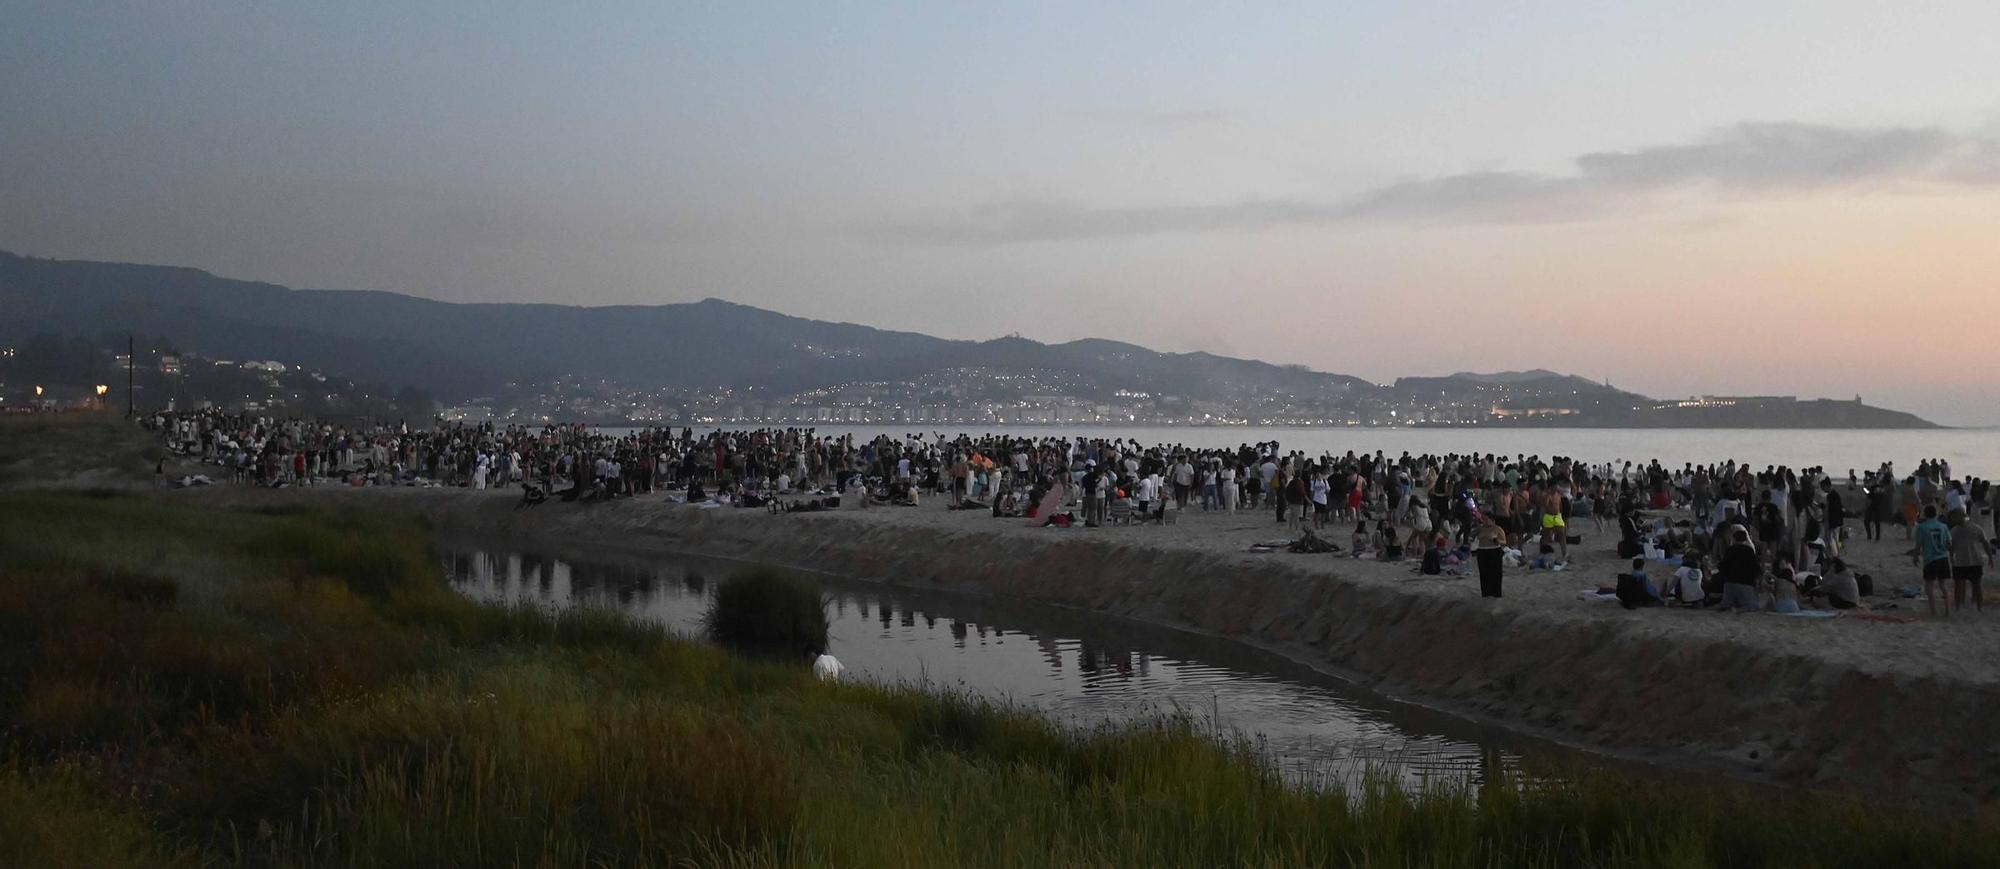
1555,531
1934,553
1971,553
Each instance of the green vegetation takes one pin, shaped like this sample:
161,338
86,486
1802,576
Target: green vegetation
184,686
769,613
79,448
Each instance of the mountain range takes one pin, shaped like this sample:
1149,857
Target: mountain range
459,350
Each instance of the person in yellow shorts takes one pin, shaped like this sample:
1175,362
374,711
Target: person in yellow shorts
1555,531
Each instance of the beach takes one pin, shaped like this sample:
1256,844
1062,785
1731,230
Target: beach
1886,708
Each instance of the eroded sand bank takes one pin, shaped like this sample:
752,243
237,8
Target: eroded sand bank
1890,710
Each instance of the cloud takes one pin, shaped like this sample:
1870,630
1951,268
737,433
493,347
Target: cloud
1750,160
1052,220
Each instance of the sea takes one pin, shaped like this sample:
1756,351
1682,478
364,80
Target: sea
1969,451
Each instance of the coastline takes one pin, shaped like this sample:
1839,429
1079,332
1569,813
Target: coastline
1891,710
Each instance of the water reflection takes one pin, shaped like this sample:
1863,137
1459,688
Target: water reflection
1080,668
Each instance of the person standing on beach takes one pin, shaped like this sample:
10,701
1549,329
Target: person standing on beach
1993,496
1971,553
1555,529
1741,571
1101,485
1907,499
1293,498
1933,551
1836,516
1878,495
1489,547
1278,493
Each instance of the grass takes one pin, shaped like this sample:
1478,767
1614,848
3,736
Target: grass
81,447
768,612
183,686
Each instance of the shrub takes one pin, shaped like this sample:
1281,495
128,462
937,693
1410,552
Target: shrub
768,612
50,817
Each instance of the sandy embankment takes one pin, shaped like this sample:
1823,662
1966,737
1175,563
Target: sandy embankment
1890,710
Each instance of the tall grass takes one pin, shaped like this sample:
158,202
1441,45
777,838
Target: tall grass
190,687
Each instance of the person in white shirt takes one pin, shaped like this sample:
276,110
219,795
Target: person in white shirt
1183,482
1149,493
1687,584
1724,508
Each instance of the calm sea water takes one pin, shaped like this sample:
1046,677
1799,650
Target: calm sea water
1078,667
1970,451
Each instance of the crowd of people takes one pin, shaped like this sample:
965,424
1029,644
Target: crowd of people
1734,536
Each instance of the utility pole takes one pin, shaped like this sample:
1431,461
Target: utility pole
131,359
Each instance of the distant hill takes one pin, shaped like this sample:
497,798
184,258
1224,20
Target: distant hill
1507,376
458,351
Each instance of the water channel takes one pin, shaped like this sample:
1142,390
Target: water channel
1079,668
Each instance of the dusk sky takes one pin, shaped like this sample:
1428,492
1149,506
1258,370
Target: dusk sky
1789,197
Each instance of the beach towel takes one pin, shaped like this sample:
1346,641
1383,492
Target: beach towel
1047,506
1811,614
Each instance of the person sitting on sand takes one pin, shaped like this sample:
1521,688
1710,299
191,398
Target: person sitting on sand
1841,589
1388,546
1688,582
1636,589
531,495
1359,544
1784,586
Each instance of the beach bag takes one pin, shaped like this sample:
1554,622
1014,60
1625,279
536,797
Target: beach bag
1865,584
1628,548
1433,563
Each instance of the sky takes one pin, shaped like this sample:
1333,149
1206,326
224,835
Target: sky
1679,198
